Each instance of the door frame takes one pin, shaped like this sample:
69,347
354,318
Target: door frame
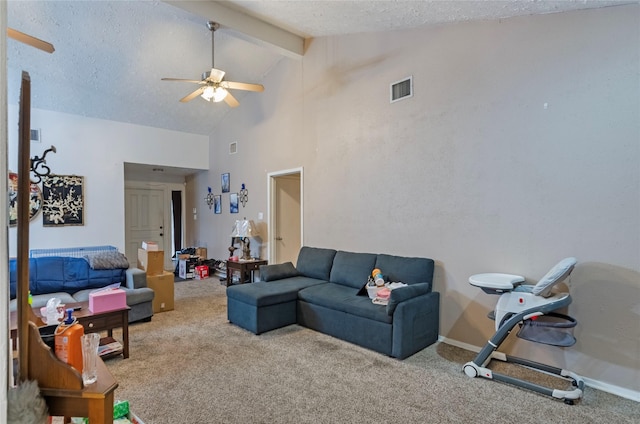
271,212
167,188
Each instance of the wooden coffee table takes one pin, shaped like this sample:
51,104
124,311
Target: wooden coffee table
93,323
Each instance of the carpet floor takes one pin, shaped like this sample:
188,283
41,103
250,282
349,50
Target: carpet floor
190,365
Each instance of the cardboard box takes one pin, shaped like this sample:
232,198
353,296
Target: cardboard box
162,285
201,272
186,268
201,252
104,300
151,262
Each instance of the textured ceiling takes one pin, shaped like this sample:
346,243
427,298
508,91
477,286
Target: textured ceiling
111,55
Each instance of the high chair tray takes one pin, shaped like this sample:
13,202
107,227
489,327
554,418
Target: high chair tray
495,281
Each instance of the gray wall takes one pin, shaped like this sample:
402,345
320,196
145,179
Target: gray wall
519,147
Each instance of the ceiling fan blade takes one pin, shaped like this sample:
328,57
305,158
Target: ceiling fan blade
192,96
30,40
216,75
231,101
182,80
242,86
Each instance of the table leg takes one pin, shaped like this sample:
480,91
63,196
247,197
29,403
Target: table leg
125,334
101,410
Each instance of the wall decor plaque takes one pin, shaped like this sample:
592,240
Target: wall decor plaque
63,200
35,199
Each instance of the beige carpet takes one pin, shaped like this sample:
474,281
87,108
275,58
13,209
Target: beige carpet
191,366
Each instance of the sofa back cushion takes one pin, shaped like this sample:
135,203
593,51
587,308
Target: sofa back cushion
315,262
64,274
13,277
405,269
352,269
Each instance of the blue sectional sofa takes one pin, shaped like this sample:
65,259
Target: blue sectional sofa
72,279
325,292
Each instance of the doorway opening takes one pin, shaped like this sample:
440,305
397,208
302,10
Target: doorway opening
285,206
176,220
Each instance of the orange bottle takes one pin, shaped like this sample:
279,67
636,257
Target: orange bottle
68,341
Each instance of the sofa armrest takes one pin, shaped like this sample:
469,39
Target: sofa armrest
416,324
135,278
405,293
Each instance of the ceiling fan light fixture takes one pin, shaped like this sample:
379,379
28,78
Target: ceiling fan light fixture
208,93
214,94
219,94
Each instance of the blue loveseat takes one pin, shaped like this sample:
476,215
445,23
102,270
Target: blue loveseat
325,292
72,279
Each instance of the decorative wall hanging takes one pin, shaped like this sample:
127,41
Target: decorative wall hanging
226,182
233,202
35,199
244,195
209,198
39,167
217,204
63,200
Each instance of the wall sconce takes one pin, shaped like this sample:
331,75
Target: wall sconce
244,195
209,198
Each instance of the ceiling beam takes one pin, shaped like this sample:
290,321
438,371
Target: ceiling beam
285,42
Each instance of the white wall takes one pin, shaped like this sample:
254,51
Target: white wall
97,150
520,147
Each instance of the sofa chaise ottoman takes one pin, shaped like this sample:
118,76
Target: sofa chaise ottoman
325,292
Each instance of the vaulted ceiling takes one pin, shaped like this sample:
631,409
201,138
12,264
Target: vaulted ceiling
111,55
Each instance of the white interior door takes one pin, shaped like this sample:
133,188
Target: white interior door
285,216
144,220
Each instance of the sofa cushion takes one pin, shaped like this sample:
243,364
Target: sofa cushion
403,293
405,270
40,300
315,262
134,296
13,277
277,271
343,298
352,269
271,293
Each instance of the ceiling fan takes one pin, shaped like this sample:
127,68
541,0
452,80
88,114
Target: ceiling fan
30,40
212,87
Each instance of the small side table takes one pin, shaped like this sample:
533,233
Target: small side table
246,269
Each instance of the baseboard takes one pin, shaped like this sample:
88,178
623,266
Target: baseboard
596,384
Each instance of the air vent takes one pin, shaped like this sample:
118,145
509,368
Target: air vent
35,136
233,147
402,89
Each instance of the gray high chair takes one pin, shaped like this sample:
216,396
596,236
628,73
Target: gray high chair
532,307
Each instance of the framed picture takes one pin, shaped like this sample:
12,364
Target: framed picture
35,199
233,202
226,183
62,200
217,204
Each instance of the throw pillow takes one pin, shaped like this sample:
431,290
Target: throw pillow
278,271
107,260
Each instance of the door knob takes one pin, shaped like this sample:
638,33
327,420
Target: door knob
279,238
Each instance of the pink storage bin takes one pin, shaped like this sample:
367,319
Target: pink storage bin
107,300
